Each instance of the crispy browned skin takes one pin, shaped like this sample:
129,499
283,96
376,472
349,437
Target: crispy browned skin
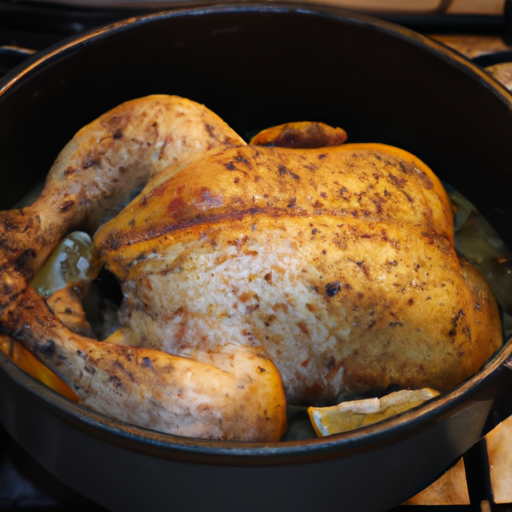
339,261
336,265
234,392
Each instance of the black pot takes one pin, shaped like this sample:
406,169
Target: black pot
258,65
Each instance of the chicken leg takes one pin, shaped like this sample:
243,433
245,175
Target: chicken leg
237,393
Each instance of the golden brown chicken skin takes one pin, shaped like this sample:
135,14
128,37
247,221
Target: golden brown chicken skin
252,275
339,261
237,393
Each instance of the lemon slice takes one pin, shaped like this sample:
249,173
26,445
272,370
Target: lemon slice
358,413
29,364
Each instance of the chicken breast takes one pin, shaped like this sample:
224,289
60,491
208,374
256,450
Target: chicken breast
339,261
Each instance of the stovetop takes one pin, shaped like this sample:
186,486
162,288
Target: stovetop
27,27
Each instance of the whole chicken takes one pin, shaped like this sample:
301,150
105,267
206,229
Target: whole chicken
253,275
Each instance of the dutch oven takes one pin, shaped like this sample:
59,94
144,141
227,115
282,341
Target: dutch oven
258,65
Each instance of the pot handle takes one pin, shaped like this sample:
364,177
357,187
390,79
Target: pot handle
11,56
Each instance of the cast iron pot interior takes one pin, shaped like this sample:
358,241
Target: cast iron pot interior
255,66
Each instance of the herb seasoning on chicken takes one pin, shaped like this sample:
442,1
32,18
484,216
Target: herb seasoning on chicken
252,274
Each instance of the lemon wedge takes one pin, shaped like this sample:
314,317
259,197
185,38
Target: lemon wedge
358,413
29,364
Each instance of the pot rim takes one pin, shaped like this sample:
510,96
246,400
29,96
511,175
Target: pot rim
169,446
199,8
284,452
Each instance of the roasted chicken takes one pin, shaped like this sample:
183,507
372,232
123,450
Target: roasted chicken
253,275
